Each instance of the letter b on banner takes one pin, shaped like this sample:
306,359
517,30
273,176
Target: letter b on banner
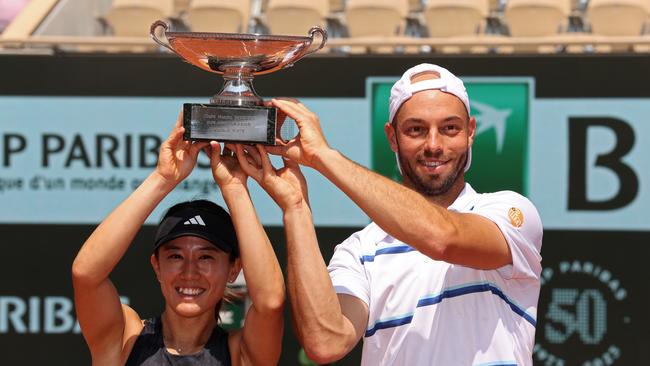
578,161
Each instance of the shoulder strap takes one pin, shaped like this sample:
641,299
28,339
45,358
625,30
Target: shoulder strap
217,345
148,343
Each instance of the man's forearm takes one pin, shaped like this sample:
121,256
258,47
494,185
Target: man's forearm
398,210
321,326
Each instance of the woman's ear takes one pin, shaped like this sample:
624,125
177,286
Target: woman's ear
235,268
156,266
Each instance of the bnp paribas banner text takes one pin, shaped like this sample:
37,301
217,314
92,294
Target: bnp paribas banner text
580,160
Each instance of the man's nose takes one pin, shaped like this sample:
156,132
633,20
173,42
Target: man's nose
433,142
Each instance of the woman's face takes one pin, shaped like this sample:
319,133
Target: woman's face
193,273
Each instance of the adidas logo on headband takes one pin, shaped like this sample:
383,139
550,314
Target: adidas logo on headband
196,220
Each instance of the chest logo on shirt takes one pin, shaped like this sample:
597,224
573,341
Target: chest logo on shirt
516,217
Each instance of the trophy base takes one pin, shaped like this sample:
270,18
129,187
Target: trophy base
226,123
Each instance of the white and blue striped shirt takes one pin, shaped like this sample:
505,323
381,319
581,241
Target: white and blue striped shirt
428,312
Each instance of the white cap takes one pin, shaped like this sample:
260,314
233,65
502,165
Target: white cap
404,89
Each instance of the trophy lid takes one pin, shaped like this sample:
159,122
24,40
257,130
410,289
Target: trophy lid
255,54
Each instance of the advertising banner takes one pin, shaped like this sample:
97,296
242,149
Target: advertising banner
74,142
589,163
581,161
71,160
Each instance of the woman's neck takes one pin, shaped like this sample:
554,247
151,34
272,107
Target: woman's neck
186,335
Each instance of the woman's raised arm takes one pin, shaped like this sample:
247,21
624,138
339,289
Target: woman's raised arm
105,323
260,341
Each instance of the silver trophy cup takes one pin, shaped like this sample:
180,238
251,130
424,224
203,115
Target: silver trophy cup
236,113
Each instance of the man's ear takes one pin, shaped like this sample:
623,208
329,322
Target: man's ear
156,266
471,131
235,268
390,132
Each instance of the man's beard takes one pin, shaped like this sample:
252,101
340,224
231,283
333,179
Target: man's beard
430,185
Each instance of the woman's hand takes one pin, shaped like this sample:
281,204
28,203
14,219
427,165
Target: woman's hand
287,186
177,157
225,167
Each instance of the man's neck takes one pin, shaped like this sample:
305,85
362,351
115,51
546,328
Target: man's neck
447,199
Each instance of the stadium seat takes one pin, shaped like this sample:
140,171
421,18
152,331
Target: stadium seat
449,18
132,18
457,18
227,16
295,17
376,19
618,17
534,18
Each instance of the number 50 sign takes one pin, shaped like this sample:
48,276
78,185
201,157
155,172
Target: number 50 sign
582,316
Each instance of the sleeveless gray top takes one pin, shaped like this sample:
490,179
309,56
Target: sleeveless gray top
149,349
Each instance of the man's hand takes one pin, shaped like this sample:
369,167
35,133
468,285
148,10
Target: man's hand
287,186
305,148
177,157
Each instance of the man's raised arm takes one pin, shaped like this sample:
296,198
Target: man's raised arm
328,325
466,239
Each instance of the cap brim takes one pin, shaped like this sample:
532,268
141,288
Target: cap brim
213,240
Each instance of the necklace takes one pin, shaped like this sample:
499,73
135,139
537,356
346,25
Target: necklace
170,344
167,343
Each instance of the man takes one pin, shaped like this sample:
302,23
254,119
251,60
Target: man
443,275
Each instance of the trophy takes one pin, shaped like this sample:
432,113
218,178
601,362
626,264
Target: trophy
236,113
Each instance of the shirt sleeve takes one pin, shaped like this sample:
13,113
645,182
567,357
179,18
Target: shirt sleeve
346,270
520,224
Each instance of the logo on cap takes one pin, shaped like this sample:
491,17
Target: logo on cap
196,220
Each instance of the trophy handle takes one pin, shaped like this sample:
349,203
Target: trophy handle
323,36
152,32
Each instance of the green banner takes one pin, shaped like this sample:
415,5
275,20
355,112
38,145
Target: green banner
232,314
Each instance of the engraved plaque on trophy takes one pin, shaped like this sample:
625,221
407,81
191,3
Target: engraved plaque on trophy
236,113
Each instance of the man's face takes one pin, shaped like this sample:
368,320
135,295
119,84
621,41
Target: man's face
432,134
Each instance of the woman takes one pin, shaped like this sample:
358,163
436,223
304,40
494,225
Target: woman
193,262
